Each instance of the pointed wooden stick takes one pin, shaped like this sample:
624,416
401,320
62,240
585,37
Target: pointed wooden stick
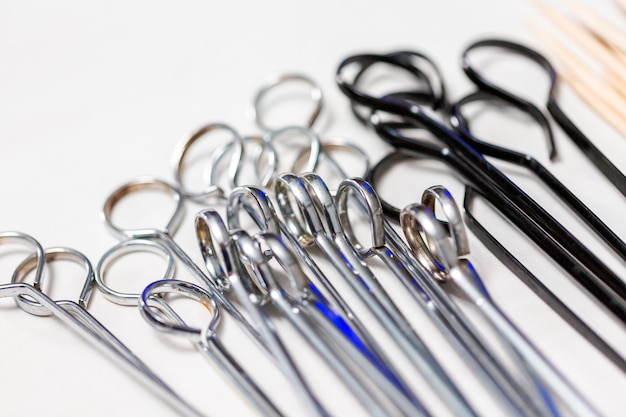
586,41
589,86
620,55
616,83
603,28
577,69
589,96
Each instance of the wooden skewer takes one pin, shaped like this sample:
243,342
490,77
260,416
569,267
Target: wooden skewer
612,79
602,27
616,83
590,87
589,96
578,70
586,41
620,55
622,4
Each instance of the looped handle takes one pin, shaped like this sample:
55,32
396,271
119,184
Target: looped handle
315,148
257,258
399,103
160,315
297,280
53,254
461,125
213,239
452,213
183,147
423,69
121,249
278,79
220,252
484,84
262,178
248,250
20,238
142,184
257,204
303,222
437,247
323,200
438,256
370,203
328,147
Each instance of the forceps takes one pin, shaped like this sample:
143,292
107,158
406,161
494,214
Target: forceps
159,314
222,255
259,206
304,309
311,195
429,238
214,284
206,340
78,319
516,205
460,333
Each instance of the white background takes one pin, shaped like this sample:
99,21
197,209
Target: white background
95,93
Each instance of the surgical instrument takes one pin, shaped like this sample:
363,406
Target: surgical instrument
442,254
531,218
80,321
295,300
453,324
259,207
358,276
160,315
225,258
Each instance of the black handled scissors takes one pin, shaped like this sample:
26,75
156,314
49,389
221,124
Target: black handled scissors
469,161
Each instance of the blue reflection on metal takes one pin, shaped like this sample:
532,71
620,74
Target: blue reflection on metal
344,327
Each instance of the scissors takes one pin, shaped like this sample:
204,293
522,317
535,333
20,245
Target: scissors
508,198
444,251
77,318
